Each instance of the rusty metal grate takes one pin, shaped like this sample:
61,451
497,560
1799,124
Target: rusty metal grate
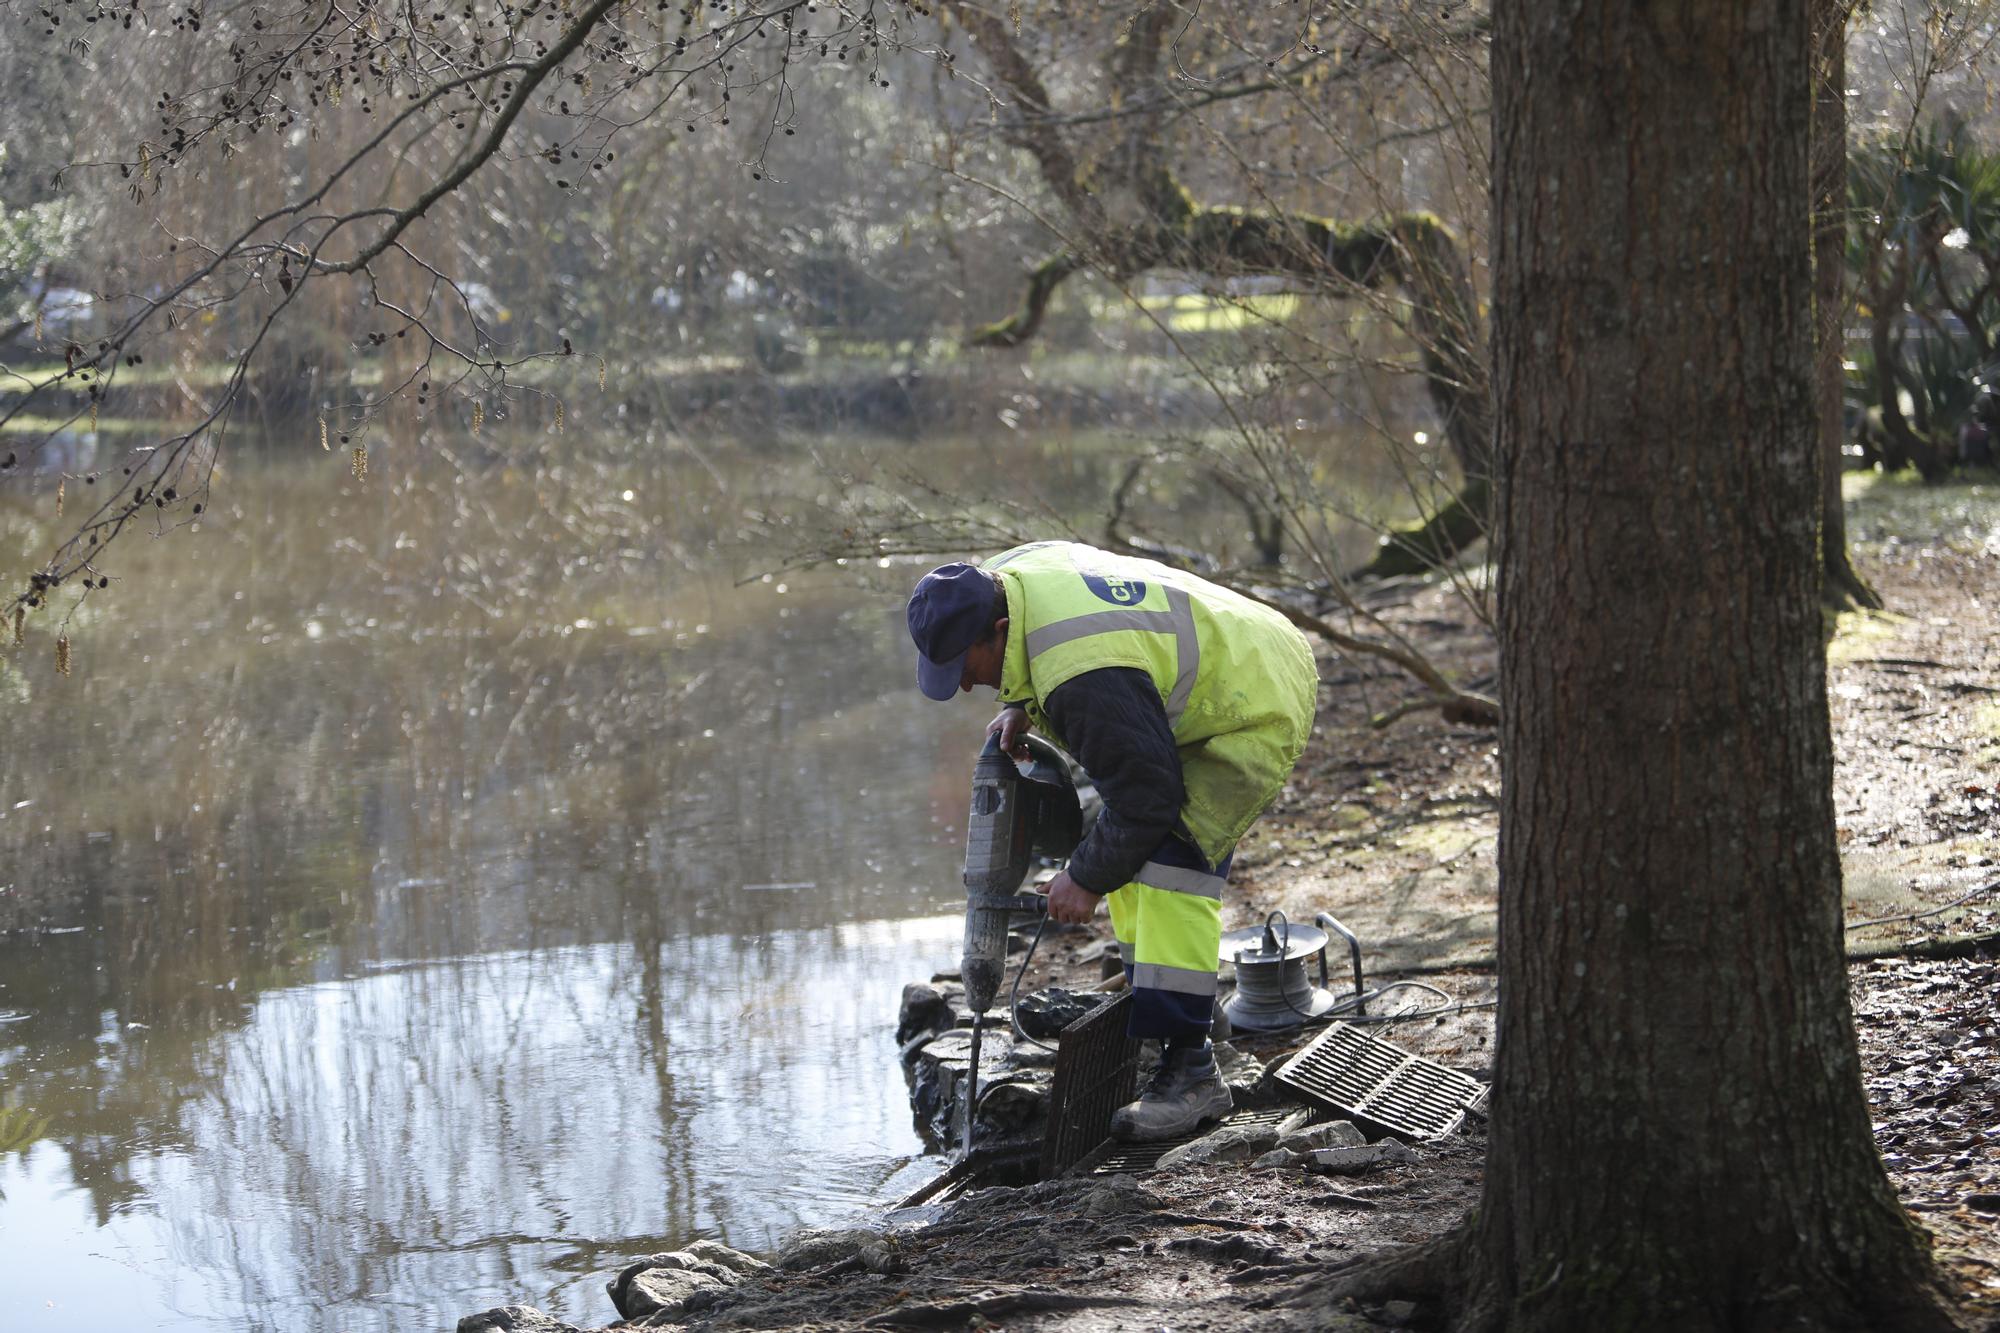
1007,1162
1379,1085
1097,1071
1119,1157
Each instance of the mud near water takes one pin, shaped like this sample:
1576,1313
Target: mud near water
1393,831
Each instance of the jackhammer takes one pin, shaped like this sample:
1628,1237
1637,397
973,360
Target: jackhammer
1018,813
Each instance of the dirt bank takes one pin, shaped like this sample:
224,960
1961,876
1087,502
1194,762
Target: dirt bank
1394,832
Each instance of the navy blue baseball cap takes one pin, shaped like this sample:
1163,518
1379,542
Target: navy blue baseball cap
949,611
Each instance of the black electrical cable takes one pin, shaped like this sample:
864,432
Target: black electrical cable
1285,948
1448,1007
1284,951
1014,994
1435,1011
1346,1002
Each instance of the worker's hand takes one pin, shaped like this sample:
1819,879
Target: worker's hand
1012,724
1070,902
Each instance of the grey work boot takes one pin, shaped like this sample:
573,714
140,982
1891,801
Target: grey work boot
1185,1092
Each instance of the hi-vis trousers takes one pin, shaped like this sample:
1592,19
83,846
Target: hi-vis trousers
1169,927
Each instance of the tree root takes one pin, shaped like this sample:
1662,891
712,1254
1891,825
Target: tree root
1844,588
956,1314
1229,1248
1198,1220
1429,1274
1443,1277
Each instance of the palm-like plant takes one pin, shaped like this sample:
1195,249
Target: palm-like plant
1924,250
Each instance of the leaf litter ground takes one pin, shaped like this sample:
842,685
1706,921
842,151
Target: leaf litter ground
1393,831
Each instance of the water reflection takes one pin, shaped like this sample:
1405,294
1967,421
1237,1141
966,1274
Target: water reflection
398,1149
387,928
425,891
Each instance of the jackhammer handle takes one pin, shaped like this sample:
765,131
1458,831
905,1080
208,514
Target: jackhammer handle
1032,903
1328,922
1034,745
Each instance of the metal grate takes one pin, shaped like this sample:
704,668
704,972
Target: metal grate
1118,1157
1380,1085
1097,1071
990,1163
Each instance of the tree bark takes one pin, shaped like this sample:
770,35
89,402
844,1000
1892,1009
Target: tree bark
1843,586
1679,1136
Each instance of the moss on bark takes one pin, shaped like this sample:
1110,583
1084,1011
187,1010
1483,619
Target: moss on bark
1429,544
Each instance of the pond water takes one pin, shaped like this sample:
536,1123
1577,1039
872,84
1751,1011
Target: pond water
425,893
428,891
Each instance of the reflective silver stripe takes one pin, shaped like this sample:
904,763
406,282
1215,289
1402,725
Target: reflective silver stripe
1177,620
1058,632
1187,652
1184,980
1180,879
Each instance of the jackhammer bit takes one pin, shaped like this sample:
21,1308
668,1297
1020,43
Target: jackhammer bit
1015,815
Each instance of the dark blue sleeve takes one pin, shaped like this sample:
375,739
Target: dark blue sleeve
1116,727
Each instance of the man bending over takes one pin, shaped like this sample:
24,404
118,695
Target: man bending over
1188,705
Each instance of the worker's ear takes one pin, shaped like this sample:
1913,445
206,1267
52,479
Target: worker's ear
1000,628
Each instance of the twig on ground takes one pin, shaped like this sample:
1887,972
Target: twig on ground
1335,1199
1195,1220
1946,947
1906,662
1959,901
1243,1277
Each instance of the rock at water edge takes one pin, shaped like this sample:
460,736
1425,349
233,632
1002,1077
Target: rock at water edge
677,1281
514,1319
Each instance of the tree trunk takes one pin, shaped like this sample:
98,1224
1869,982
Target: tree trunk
1680,1139
1843,586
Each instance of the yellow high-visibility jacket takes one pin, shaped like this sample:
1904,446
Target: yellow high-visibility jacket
1237,679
